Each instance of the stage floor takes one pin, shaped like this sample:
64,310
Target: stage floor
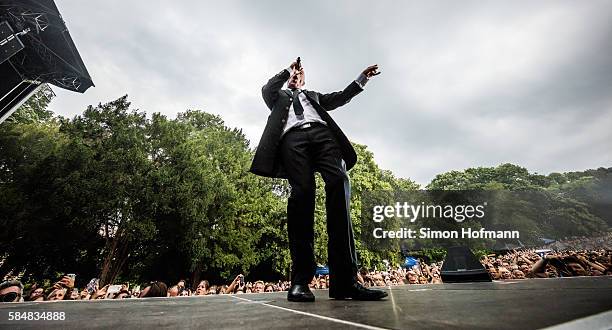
516,304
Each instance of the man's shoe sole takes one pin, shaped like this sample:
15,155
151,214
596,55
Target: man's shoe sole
301,299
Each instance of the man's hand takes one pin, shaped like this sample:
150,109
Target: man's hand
294,66
65,282
295,70
237,279
371,71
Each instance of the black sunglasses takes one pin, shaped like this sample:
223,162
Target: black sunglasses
9,297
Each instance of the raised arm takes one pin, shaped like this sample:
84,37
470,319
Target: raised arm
270,90
234,285
334,100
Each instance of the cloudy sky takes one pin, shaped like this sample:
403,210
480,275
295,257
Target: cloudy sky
463,83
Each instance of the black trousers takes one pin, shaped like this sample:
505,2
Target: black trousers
304,151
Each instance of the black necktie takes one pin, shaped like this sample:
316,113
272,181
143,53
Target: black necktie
297,105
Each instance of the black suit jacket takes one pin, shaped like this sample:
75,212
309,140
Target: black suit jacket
266,161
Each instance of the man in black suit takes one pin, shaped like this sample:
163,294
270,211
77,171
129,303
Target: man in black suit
300,138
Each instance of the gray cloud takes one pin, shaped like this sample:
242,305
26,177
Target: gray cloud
464,83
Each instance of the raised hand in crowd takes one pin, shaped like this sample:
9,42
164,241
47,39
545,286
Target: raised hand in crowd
100,293
235,284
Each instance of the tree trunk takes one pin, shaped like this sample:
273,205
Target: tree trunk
115,259
195,277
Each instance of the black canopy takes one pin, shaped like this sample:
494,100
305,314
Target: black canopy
49,54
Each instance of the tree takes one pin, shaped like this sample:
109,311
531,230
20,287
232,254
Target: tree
212,216
557,205
114,151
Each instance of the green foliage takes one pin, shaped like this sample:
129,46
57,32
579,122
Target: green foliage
560,204
111,192
434,254
41,228
505,176
212,213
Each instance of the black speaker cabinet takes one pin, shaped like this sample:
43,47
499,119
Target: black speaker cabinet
461,265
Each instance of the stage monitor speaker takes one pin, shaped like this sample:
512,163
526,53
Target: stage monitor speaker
9,42
461,265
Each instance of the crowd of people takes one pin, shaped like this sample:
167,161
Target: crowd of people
518,264
532,264
572,256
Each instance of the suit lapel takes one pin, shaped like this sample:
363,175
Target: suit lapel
311,97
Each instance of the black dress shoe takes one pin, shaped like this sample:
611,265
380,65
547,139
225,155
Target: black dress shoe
357,292
300,293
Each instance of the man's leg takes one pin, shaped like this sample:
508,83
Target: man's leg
341,244
342,256
300,207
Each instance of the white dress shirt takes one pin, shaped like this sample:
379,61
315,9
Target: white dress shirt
310,115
